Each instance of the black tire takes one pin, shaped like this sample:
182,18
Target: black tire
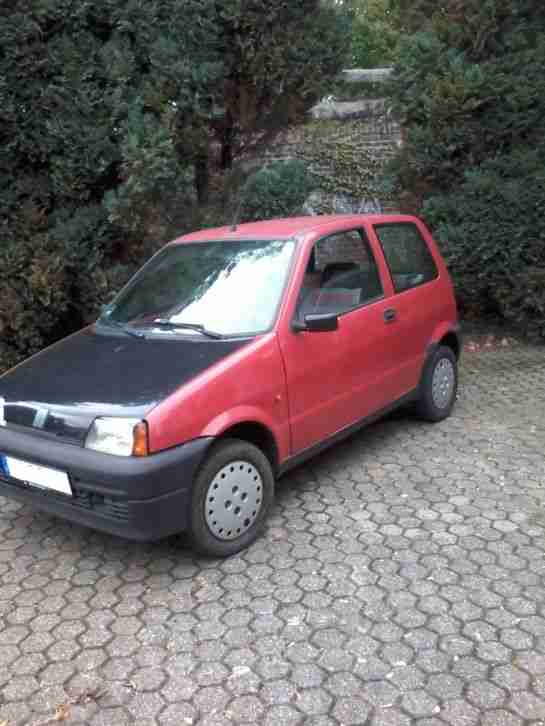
222,455
428,407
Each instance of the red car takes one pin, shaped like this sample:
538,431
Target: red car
231,356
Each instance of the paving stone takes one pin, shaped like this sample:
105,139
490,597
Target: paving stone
419,703
400,582
380,693
531,662
362,646
480,631
485,695
397,654
494,652
500,717
420,639
387,633
13,635
460,713
210,698
245,709
371,668
243,681
351,711
313,701
145,706
47,698
406,678
469,668
343,684
57,673
111,717
336,659
456,645
516,639
444,625
511,678
307,676
148,679
9,654
445,686
28,664
527,705
16,714
390,717
283,716
178,714
278,692
20,688
272,667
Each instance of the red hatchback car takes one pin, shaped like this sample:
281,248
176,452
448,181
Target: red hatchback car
231,356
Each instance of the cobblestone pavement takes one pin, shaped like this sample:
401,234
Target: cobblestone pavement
401,580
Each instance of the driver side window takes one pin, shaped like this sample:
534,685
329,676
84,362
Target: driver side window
341,275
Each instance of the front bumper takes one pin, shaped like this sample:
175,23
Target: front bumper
139,498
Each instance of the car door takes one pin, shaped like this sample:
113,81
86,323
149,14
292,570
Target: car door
339,377
415,304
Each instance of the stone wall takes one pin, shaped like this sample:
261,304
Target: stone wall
346,145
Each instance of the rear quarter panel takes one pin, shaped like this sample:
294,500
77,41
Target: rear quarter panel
447,312
425,313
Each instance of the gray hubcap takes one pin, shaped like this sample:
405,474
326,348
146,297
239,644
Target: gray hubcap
233,500
444,378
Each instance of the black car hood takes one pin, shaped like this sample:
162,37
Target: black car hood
97,372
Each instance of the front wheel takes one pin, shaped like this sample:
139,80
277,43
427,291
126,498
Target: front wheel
439,385
232,494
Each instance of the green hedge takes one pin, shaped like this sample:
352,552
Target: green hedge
469,89
50,287
492,230
276,190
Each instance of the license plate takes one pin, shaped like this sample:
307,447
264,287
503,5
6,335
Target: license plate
37,475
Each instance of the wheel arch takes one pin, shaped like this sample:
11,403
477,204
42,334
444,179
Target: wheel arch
247,426
449,337
452,340
257,434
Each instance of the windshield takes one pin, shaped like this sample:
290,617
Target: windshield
227,288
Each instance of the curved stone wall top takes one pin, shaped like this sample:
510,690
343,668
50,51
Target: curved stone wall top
367,75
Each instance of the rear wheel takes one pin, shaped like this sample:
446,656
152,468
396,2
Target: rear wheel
231,498
438,386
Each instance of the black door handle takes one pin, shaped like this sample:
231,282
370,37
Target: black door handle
390,315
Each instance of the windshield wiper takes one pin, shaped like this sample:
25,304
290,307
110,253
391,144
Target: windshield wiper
170,325
123,327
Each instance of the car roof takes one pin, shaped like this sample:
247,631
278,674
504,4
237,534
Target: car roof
291,227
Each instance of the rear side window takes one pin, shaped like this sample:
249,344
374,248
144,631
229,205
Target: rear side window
407,254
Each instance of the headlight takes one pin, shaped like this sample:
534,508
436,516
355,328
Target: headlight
118,436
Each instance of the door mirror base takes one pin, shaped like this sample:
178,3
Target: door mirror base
317,323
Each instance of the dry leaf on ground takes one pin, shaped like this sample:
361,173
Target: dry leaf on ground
62,712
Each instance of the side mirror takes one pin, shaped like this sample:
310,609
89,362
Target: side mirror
317,323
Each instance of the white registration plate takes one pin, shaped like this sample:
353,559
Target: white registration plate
38,476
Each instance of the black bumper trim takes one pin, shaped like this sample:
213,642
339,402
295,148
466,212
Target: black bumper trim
145,521
139,498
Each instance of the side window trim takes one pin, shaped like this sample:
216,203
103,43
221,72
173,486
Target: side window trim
377,227
366,243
